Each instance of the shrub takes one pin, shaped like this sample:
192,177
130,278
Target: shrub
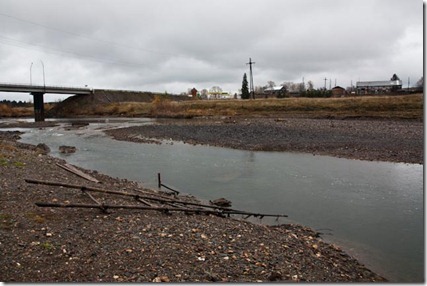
162,105
5,110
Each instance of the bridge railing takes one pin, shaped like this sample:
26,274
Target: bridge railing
23,85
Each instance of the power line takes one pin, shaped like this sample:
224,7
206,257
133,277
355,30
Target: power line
45,49
85,37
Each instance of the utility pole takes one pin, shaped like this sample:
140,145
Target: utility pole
325,82
251,80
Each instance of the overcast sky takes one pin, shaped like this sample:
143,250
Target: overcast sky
173,45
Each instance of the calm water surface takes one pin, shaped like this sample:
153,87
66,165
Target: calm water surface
374,210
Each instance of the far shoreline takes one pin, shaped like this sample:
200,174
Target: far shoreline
398,141
382,140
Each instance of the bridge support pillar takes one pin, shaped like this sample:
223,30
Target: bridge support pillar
38,106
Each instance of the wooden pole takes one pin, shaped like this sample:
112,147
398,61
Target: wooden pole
74,170
100,205
162,200
163,209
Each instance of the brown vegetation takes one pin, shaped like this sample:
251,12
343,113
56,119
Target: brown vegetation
399,107
8,111
383,107
402,107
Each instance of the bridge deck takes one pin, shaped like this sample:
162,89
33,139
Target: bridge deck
7,87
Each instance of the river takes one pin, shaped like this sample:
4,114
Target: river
373,210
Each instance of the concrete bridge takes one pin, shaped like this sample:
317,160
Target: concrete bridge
37,91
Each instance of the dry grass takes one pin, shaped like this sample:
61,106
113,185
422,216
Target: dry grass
8,111
129,109
398,107
404,107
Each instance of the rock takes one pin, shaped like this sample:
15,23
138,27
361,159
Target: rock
79,124
67,149
275,276
221,202
161,279
212,277
43,148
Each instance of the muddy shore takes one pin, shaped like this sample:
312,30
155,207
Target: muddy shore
363,139
87,245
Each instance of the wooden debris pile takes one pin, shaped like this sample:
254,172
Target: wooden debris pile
143,199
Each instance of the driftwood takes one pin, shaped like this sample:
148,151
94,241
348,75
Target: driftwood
95,200
75,171
104,207
136,196
200,208
160,184
144,202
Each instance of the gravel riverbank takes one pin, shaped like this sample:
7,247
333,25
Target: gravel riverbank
86,245
364,139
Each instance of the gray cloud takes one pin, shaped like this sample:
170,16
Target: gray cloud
173,45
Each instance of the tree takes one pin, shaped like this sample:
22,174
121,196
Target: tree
310,85
215,92
204,93
290,86
394,77
260,89
245,89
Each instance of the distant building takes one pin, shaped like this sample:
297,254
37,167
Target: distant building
219,95
194,92
278,91
338,91
384,86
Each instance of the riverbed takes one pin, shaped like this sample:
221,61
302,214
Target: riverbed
373,209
